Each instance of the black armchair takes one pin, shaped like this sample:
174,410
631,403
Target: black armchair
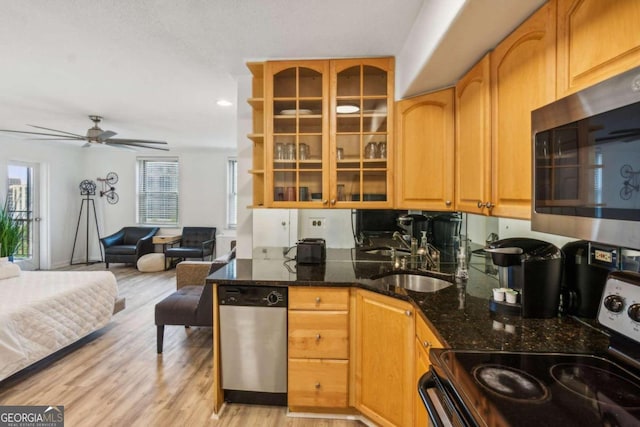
197,242
128,244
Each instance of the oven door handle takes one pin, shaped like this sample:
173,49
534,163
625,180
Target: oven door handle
427,390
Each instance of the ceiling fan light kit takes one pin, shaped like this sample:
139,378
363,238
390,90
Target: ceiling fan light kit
94,135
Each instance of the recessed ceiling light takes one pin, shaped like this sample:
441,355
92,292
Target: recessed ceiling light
223,103
346,109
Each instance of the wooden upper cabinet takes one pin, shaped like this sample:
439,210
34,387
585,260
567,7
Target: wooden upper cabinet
296,133
523,69
596,39
361,131
473,140
425,151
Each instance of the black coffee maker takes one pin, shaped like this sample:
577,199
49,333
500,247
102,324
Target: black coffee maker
533,269
586,267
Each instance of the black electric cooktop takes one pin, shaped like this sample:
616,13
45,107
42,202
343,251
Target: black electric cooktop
540,389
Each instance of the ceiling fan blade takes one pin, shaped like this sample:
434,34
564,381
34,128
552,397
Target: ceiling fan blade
133,144
61,138
41,133
105,135
59,131
143,141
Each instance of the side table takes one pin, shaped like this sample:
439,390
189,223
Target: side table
166,241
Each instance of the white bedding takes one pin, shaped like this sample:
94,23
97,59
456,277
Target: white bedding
44,311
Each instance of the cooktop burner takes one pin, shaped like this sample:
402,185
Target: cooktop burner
597,384
536,389
511,383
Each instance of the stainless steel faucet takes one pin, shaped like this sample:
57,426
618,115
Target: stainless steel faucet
400,238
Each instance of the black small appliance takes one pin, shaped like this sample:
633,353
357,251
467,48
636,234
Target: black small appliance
586,266
311,251
533,268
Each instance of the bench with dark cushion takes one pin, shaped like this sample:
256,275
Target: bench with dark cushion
192,303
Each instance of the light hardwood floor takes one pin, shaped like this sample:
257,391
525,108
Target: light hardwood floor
114,377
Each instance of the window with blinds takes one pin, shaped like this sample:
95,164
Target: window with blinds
232,193
158,191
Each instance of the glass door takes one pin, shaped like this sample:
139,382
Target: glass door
362,97
298,133
22,203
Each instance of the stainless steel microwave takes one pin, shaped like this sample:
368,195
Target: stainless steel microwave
586,163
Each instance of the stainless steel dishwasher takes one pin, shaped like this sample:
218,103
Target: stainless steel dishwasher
253,341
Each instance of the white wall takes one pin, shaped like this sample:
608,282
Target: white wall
203,186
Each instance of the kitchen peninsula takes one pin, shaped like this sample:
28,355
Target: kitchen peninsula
457,316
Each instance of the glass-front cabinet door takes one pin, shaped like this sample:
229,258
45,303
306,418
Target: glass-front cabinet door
297,133
361,133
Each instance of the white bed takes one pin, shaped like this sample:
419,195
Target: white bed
42,312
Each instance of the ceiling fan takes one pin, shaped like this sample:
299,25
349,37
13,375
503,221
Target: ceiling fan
94,135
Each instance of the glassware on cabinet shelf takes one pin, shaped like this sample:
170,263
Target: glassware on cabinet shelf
303,151
340,154
279,151
371,151
382,150
290,151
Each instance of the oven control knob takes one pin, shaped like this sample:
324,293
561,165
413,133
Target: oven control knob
634,312
614,303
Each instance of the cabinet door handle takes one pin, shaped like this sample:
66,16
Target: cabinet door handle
317,386
448,203
426,344
408,313
489,205
325,201
318,300
333,201
480,204
318,337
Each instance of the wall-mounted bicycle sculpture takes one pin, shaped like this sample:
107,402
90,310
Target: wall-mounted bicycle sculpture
631,183
108,190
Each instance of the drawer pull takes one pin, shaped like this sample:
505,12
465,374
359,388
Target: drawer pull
318,300
318,337
408,313
317,386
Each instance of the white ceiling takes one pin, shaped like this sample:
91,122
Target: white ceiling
154,69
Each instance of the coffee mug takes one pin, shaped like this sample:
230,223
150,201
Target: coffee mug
278,193
304,194
290,194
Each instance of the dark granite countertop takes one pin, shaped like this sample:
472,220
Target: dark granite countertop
459,314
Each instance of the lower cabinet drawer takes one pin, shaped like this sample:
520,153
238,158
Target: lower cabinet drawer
318,334
318,383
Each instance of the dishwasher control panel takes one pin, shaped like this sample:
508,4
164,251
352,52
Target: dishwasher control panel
252,296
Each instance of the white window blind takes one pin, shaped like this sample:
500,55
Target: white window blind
232,193
158,191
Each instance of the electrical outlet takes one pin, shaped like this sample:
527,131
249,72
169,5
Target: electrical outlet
317,223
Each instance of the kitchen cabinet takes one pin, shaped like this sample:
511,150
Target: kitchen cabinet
296,132
522,79
473,140
424,342
385,346
425,152
318,347
596,40
325,139
361,133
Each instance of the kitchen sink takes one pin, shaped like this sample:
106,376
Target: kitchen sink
384,251
413,281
